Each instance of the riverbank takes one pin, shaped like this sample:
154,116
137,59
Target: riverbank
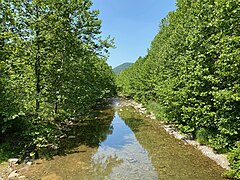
220,159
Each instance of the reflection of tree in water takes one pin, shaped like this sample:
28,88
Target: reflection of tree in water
121,156
171,158
103,166
90,132
132,118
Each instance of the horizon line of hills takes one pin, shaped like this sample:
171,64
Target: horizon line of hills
121,67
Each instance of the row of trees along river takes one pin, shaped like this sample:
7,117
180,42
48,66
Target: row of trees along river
52,68
190,75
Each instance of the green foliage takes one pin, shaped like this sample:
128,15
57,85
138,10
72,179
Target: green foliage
158,111
6,152
202,136
52,66
192,71
234,159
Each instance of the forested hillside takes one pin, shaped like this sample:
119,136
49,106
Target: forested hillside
52,68
121,67
191,74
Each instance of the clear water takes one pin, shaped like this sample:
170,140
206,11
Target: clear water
122,144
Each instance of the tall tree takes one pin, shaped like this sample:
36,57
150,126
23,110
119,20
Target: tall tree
53,62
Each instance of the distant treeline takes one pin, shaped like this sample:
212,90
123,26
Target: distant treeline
52,67
192,73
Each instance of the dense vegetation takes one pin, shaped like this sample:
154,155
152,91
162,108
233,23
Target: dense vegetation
191,73
52,68
121,67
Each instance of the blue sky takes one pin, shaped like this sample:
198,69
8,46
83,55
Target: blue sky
133,24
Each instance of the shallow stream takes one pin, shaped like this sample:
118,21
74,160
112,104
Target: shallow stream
123,144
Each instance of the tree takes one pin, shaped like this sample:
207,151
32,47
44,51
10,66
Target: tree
53,62
191,71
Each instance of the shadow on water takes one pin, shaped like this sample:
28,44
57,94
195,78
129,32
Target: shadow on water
122,144
90,132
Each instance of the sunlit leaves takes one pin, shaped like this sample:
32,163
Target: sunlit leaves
192,70
52,64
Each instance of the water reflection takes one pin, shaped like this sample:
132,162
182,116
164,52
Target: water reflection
171,158
90,132
124,145
121,153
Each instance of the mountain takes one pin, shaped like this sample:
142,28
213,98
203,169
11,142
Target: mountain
121,67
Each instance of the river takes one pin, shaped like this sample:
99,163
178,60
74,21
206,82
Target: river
123,144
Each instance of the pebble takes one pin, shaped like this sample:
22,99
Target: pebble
29,163
22,177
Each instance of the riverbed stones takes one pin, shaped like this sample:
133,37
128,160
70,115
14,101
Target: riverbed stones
23,169
22,177
29,163
13,175
220,159
13,162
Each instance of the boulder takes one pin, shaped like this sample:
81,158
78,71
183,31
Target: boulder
13,161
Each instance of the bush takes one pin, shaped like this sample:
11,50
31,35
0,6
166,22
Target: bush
220,143
158,110
234,159
202,136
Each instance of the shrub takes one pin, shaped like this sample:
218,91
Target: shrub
158,110
234,159
202,136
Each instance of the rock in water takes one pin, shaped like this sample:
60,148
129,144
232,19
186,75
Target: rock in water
22,177
13,175
13,161
29,163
